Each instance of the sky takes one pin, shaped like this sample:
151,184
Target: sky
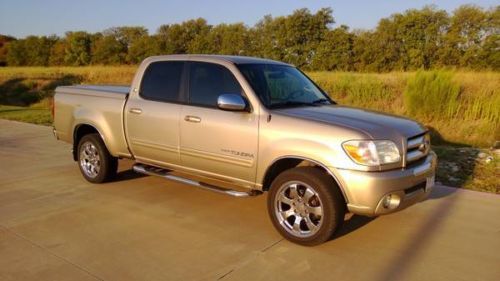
21,18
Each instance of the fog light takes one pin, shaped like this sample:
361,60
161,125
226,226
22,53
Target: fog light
391,201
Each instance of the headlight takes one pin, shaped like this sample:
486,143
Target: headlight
372,153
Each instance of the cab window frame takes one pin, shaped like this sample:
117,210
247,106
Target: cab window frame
181,97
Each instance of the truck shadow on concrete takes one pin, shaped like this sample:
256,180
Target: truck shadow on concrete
126,175
447,197
355,222
419,241
352,224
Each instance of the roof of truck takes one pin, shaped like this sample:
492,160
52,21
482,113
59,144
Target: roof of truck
232,59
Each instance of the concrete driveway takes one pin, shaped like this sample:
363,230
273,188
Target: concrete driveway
56,226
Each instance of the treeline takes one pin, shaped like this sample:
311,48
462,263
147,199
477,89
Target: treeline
425,38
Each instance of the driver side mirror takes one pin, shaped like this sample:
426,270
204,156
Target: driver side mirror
232,102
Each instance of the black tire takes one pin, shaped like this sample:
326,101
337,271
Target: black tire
108,164
330,199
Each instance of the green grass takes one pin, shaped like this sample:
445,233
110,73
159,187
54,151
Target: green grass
432,95
460,107
39,116
369,90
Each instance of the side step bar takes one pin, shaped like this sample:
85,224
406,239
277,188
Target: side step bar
159,172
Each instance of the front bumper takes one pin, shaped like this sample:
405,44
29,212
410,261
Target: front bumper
366,191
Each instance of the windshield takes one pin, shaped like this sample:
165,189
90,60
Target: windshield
282,86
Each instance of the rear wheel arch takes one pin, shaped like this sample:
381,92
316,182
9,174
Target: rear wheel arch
285,163
79,132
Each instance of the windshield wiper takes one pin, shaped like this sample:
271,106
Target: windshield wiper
300,103
290,103
321,101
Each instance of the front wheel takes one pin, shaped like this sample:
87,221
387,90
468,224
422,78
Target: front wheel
305,205
96,164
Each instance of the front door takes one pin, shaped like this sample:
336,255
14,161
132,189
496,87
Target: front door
220,143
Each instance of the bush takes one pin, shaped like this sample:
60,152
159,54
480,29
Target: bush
432,95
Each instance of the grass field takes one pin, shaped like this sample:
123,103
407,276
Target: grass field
460,108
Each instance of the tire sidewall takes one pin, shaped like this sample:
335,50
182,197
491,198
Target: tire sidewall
333,214
104,156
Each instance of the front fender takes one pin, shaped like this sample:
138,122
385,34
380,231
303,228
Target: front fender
303,149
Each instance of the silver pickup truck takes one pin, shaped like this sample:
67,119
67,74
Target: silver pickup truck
242,126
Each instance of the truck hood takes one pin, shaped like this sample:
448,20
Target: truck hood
375,124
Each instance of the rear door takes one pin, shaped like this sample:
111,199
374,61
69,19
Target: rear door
152,117
220,143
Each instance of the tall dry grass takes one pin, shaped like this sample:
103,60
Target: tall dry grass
460,107
88,74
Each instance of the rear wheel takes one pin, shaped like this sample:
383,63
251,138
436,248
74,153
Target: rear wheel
305,205
95,162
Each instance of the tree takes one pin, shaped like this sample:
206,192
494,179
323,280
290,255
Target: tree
177,38
227,39
4,41
126,35
414,39
292,38
119,40
37,50
336,51
465,35
142,48
421,33
78,48
408,41
490,52
490,48
108,49
364,58
15,53
32,50
58,52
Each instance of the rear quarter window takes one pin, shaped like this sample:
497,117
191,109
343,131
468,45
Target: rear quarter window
162,81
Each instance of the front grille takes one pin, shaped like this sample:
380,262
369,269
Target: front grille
417,147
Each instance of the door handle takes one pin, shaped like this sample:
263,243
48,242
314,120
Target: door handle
135,110
194,119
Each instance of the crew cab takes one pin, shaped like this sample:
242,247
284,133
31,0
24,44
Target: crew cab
242,126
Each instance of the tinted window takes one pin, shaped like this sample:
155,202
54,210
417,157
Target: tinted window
208,81
162,81
281,85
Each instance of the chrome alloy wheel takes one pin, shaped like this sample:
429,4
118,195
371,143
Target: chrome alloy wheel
89,159
298,209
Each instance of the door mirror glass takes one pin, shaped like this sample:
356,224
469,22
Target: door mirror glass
231,102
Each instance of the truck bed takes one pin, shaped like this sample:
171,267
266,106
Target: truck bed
96,90
100,106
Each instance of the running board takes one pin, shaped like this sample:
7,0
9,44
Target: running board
159,172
